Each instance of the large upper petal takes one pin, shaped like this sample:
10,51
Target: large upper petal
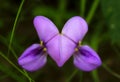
86,59
45,28
75,28
60,48
33,58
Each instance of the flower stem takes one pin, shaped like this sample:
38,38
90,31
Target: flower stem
81,76
14,25
72,75
92,11
61,9
15,66
95,76
3,40
110,71
82,7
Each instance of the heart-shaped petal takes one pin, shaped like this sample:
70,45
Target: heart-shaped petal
33,58
75,28
60,48
86,59
45,28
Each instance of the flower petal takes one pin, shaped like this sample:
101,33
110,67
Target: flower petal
86,59
45,28
60,49
75,28
33,58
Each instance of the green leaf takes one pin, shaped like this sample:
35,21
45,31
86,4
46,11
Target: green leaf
111,11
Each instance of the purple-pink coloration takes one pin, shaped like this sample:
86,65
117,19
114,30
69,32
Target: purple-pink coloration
75,28
33,58
45,28
60,46
86,59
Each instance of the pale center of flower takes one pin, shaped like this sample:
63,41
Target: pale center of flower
44,49
79,44
41,43
61,34
76,49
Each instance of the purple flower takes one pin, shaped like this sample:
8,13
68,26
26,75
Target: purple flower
60,46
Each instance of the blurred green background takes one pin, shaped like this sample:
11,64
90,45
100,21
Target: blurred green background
17,33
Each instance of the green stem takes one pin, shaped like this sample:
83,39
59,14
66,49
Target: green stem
15,66
116,50
14,25
94,73
5,69
110,71
95,40
81,76
95,76
92,11
72,75
82,7
4,41
62,5
61,12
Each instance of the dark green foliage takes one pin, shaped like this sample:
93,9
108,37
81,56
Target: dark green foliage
111,11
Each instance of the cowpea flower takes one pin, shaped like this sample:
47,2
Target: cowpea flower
60,46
